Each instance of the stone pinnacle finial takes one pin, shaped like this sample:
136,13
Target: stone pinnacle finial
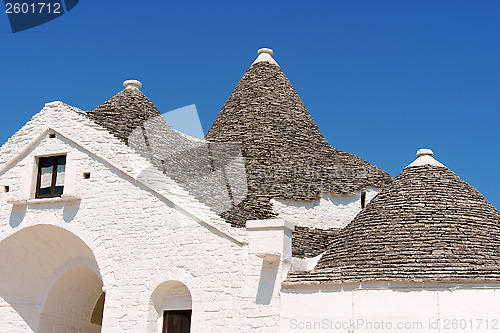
424,151
265,50
132,84
424,157
265,55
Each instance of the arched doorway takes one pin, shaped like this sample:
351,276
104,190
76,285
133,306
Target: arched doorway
49,282
171,308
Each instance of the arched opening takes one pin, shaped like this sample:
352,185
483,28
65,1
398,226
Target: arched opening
49,282
171,308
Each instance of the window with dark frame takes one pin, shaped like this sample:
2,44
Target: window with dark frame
177,321
50,180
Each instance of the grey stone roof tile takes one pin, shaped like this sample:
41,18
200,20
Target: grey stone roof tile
124,112
285,153
429,225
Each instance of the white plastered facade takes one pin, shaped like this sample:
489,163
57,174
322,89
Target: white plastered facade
146,249
154,250
386,306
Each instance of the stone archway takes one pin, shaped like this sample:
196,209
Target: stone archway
49,281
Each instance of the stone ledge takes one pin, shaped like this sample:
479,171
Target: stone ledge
35,201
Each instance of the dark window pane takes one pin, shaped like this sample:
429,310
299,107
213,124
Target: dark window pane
47,162
45,192
58,190
177,321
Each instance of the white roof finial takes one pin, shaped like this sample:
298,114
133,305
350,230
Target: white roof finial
424,156
265,55
132,84
265,50
424,151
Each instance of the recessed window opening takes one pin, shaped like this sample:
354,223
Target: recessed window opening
86,175
177,321
6,189
164,168
50,180
52,135
363,199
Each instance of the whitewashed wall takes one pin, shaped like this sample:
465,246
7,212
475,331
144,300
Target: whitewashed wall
139,239
384,307
330,211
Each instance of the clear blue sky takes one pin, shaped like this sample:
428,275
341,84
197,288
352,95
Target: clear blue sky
380,78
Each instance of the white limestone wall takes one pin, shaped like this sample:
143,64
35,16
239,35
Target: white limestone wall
330,211
385,307
139,239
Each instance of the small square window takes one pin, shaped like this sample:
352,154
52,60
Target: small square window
52,135
50,180
6,188
86,175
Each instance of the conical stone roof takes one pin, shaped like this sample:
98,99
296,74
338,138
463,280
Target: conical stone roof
285,153
125,112
429,225
198,166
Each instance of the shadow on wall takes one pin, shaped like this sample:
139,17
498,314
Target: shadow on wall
17,215
268,275
69,211
50,281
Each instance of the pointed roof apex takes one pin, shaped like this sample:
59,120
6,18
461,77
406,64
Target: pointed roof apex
132,84
125,111
285,153
424,156
265,55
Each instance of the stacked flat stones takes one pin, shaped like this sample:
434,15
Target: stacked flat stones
286,155
430,225
124,112
133,118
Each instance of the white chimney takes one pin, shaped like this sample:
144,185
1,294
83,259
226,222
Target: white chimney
270,240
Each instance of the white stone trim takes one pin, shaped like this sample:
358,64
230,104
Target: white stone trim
270,224
36,201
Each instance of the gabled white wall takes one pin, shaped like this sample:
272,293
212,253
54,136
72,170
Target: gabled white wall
140,238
